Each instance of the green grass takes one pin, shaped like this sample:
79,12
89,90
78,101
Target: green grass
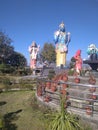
20,111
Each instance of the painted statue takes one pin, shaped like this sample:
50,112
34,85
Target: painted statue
78,62
33,49
92,52
62,40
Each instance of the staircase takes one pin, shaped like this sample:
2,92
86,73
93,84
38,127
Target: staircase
80,98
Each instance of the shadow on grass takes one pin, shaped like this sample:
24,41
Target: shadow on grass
2,103
9,119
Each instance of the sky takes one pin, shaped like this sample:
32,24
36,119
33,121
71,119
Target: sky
25,21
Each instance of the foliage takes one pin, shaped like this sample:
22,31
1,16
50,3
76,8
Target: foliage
11,82
62,120
17,60
6,81
48,53
22,71
4,68
7,54
6,49
71,72
1,123
72,62
13,70
51,74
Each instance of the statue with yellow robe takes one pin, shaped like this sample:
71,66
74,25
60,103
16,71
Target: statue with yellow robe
62,40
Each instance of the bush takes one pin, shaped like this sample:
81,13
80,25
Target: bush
6,81
71,72
51,74
6,69
22,71
63,120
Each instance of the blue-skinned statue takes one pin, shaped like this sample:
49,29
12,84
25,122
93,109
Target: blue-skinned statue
62,40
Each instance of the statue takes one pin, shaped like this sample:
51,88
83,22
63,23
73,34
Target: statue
92,52
92,60
33,49
62,40
78,62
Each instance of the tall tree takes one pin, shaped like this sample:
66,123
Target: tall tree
6,49
17,60
7,53
48,52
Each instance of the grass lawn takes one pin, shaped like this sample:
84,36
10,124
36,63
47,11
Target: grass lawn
19,112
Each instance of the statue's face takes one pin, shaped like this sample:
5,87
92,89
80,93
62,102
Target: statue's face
62,27
92,46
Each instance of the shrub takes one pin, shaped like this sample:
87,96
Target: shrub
63,120
71,72
51,74
6,68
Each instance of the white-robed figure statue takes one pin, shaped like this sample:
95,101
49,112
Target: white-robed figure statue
62,40
33,49
92,52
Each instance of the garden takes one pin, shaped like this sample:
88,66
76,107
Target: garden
19,109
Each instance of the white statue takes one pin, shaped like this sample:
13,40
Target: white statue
33,49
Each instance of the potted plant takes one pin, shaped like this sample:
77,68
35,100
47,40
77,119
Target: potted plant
47,98
65,77
63,92
48,84
88,110
92,80
53,87
39,92
77,80
94,96
92,89
64,86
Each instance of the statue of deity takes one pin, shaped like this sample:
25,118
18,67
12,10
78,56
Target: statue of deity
62,40
92,60
92,52
78,62
33,49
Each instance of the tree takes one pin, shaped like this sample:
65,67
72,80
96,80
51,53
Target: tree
7,54
6,49
48,52
17,60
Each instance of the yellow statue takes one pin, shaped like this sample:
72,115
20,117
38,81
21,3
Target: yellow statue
62,40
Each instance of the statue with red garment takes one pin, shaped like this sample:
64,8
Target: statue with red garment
33,49
78,62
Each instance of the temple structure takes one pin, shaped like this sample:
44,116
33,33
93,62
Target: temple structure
62,39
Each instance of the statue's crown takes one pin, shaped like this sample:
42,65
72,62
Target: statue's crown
62,27
34,44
